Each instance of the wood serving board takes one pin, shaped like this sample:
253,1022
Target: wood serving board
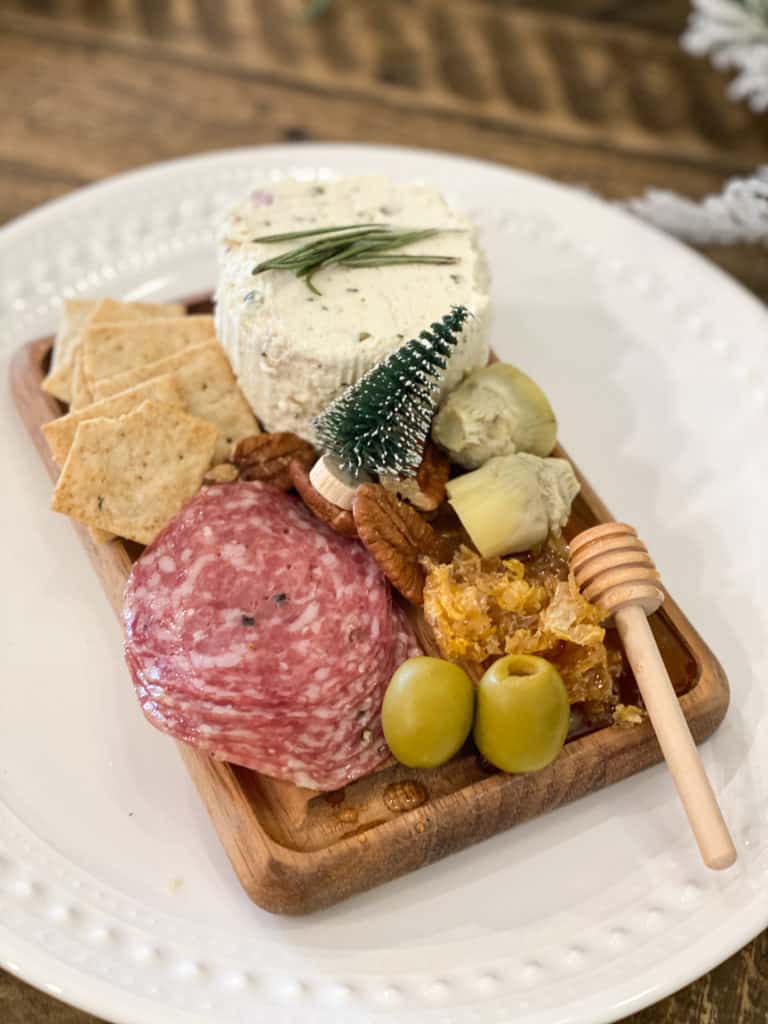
295,850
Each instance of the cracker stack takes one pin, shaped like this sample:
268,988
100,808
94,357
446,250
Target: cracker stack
153,404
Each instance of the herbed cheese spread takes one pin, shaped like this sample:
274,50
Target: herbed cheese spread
292,351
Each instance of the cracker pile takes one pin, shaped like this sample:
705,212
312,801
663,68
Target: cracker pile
153,406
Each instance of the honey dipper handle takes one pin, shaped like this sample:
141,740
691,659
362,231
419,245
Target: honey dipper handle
675,740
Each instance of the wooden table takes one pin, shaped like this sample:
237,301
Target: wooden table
595,92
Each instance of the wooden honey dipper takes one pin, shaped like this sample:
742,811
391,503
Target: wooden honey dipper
614,570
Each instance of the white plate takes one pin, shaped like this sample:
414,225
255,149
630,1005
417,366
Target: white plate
114,892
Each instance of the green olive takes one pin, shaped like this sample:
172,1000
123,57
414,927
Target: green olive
427,711
522,713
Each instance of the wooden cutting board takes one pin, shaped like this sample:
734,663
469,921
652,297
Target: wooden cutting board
295,850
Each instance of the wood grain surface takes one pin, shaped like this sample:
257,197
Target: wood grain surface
595,92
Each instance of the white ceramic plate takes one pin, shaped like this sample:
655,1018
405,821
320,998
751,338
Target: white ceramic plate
114,892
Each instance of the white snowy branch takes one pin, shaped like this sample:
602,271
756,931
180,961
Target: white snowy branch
734,34
739,214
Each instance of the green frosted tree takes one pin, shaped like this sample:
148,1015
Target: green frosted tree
381,423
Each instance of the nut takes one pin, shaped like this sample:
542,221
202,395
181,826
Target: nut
222,473
425,491
397,537
339,519
267,457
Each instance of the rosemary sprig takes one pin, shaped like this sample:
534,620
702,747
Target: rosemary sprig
288,236
349,245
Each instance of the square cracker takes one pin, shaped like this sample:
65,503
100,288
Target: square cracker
113,310
130,475
113,348
60,433
76,315
105,387
207,385
79,390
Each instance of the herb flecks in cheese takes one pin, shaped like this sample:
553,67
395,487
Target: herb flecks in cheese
293,356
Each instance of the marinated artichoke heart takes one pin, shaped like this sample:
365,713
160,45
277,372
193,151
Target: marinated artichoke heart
512,502
496,410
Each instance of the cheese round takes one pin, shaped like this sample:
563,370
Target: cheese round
292,351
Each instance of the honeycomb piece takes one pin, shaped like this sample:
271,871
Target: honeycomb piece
479,609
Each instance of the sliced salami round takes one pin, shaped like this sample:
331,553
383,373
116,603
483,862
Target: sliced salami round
261,636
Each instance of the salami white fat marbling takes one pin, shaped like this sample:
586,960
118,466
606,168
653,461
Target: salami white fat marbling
261,636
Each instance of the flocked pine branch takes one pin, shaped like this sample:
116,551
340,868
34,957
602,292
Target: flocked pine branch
739,214
734,35
381,423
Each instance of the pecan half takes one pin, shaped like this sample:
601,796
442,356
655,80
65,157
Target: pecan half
425,491
397,537
267,457
339,519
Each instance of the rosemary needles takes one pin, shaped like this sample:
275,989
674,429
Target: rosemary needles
349,245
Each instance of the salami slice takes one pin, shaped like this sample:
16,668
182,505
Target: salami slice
259,635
